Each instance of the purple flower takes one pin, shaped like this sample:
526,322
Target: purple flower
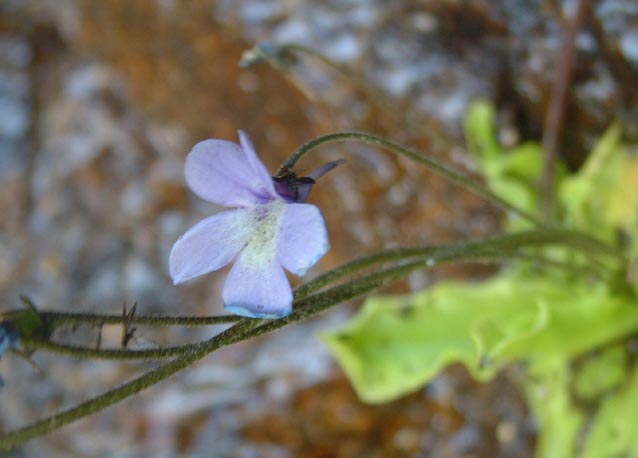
268,230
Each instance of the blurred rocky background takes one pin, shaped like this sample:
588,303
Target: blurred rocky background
100,101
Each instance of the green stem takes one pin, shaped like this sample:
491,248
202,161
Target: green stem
423,257
148,354
543,237
56,319
242,330
319,302
19,436
502,245
432,164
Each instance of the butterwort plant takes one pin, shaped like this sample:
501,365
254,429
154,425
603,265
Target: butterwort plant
269,229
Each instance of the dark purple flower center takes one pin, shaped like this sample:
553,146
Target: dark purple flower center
296,189
291,187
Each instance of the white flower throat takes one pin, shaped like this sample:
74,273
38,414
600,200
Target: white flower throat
263,223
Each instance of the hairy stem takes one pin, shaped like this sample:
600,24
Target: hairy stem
19,436
122,354
435,257
244,329
56,319
434,165
507,246
502,243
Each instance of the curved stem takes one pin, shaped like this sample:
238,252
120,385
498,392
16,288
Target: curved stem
432,164
19,436
478,252
544,237
244,329
502,243
319,302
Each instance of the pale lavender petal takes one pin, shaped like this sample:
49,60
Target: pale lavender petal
257,166
303,238
257,289
209,245
220,172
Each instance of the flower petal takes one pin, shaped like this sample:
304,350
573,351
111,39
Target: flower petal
209,245
257,166
303,238
257,289
223,173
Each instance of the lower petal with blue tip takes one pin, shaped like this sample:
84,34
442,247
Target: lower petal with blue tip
257,288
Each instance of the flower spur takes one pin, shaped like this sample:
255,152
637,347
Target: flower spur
269,229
